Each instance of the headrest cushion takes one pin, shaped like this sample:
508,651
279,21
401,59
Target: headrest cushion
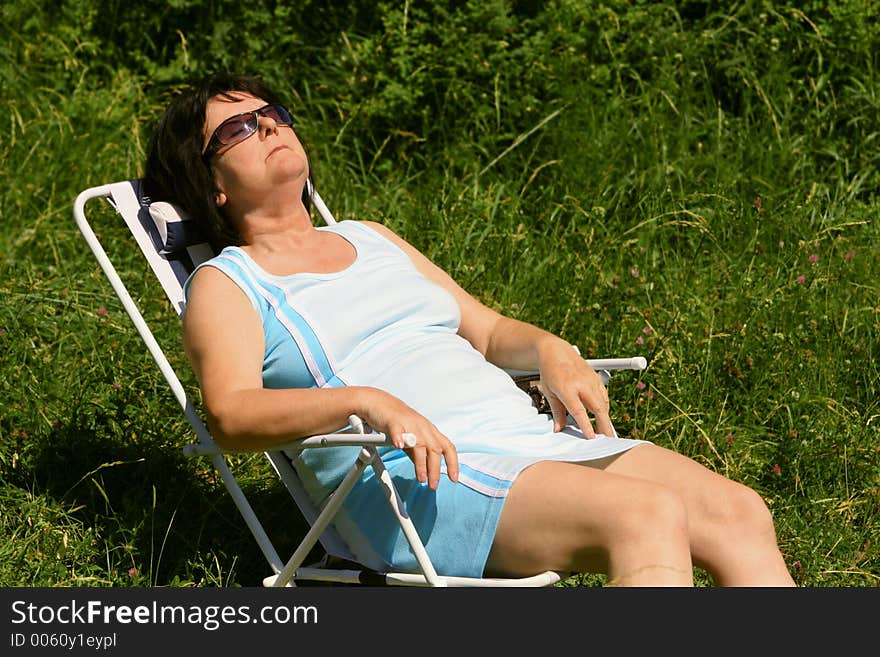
176,229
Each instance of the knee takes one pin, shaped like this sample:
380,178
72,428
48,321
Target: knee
744,514
659,514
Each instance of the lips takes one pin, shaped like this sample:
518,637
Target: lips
276,149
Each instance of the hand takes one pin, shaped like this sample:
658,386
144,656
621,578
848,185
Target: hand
391,416
570,385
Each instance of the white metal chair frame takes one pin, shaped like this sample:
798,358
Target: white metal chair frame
126,198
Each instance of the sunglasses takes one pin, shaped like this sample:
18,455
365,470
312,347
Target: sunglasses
241,126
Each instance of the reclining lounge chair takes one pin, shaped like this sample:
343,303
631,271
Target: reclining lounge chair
173,249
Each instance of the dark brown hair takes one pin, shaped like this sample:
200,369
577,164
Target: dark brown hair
175,170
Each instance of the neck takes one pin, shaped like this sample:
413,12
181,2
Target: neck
273,226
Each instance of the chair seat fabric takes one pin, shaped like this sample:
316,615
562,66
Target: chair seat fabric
381,323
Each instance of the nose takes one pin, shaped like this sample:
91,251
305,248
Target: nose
266,125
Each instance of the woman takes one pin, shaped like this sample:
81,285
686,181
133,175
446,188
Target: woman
293,328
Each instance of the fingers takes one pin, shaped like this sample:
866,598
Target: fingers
558,410
574,406
583,421
428,456
603,425
400,438
427,448
596,401
579,403
451,458
433,475
411,432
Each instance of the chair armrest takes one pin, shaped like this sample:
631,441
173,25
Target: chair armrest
527,380
634,363
354,438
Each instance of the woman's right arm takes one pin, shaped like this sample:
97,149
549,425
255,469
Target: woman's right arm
223,340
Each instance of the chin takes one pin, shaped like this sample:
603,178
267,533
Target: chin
288,165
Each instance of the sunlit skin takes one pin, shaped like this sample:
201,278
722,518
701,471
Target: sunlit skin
270,164
644,517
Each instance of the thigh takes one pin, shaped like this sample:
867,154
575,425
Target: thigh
690,479
558,515
710,498
730,528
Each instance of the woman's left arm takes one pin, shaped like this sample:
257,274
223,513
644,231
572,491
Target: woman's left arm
566,379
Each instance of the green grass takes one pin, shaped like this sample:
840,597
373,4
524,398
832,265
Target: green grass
697,185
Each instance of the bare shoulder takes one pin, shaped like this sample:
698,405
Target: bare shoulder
206,282
212,293
220,324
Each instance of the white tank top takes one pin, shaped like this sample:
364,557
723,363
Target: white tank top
379,322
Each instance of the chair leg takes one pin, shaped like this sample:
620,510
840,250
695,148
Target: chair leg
406,523
368,456
324,518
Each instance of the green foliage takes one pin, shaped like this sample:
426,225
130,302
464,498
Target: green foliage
692,181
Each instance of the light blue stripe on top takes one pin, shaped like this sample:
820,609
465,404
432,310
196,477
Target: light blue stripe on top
231,269
492,485
317,360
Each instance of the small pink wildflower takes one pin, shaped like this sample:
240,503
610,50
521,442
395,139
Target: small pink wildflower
801,279
640,340
641,385
101,311
850,255
634,272
132,572
781,244
3,331
776,469
814,257
115,386
647,330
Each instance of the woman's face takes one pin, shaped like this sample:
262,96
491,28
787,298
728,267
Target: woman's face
269,165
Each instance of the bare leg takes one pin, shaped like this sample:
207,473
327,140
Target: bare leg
572,518
730,528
